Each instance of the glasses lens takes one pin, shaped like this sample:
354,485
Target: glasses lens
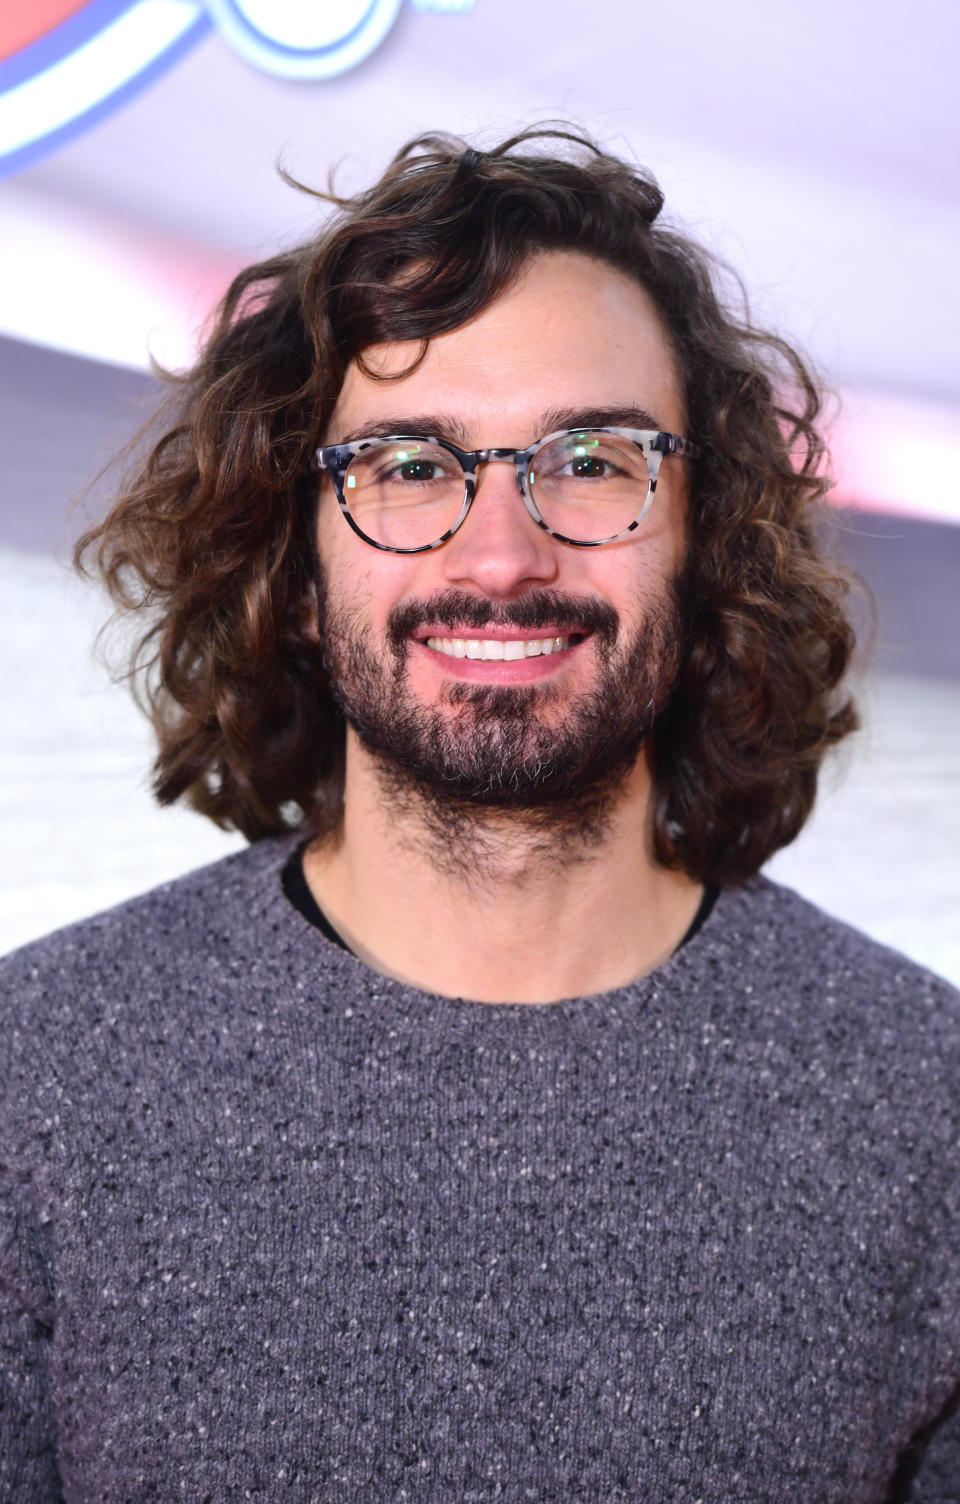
589,485
404,493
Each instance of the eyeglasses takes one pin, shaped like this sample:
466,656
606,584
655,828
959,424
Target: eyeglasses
408,493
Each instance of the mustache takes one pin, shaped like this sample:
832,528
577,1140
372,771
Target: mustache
454,608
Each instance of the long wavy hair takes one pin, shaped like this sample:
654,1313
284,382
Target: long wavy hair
209,545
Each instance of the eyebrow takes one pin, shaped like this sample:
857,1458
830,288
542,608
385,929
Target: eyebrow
454,430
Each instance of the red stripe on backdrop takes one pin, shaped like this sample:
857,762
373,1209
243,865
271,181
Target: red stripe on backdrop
24,23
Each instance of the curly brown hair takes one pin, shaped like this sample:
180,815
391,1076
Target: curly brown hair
210,544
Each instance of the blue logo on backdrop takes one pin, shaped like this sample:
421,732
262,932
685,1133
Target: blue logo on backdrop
301,38
75,63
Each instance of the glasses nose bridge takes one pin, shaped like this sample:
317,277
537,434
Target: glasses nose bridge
497,457
494,456
520,460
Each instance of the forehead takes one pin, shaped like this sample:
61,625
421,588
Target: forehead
571,333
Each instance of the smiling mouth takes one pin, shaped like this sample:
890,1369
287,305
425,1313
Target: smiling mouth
509,649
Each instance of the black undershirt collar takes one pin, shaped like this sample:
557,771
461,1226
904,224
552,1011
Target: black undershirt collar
297,891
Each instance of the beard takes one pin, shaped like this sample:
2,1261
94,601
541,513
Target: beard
532,757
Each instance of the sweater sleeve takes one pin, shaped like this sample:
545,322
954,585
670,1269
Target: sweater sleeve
29,1473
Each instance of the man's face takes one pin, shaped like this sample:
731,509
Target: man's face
573,338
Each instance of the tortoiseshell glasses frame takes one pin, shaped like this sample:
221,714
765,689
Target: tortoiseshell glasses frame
654,445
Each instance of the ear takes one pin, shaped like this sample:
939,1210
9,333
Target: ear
306,614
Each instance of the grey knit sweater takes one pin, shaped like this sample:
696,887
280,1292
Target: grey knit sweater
274,1227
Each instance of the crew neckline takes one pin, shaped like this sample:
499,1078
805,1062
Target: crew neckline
320,964
293,878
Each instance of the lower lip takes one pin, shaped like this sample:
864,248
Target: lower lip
499,670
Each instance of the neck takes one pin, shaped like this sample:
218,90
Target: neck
496,908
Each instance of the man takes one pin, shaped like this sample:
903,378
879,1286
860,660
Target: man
489,1129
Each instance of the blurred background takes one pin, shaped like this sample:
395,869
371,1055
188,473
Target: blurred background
815,146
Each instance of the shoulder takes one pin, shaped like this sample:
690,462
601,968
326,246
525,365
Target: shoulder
796,938
147,959
171,921
846,1004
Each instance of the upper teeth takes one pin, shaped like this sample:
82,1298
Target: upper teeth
487,647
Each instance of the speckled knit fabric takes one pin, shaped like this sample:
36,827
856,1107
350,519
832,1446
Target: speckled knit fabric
277,1228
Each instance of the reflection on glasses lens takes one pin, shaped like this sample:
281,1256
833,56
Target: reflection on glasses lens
404,494
589,486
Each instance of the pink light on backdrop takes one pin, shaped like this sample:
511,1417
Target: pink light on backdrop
102,285
896,454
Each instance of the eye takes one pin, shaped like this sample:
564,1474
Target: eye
417,470
588,466
585,457
410,463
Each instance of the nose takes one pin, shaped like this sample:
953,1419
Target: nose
499,550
